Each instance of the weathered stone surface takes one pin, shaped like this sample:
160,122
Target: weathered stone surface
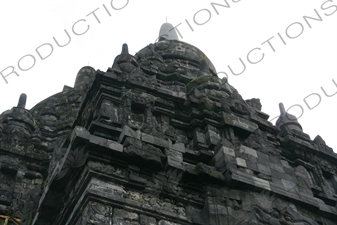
146,220
159,139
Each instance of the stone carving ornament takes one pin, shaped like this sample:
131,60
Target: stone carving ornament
75,159
266,209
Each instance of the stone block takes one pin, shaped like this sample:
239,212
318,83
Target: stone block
250,158
147,138
161,142
209,171
220,162
252,166
106,190
246,178
227,151
175,164
235,176
146,220
263,169
275,159
241,162
285,164
263,160
195,215
174,155
277,174
212,138
217,209
239,122
230,159
154,140
136,180
277,181
129,132
305,191
106,143
277,167
277,187
151,153
114,146
179,147
326,208
263,156
262,183
248,151
218,156
289,171
123,217
199,138
165,222
80,132
290,186
223,157
291,178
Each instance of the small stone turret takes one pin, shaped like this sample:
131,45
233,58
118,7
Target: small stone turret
287,120
19,128
85,76
124,62
22,163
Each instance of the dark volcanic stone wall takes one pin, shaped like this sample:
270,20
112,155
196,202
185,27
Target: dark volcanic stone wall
159,139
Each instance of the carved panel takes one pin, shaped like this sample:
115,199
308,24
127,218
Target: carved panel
96,213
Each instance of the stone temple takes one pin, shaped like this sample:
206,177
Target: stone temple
159,139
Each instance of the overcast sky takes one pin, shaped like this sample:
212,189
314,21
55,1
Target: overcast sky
290,56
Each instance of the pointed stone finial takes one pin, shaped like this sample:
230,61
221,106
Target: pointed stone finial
125,49
167,32
282,109
22,101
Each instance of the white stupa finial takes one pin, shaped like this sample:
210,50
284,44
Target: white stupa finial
167,32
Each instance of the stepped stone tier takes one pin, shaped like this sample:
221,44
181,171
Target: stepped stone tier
160,139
